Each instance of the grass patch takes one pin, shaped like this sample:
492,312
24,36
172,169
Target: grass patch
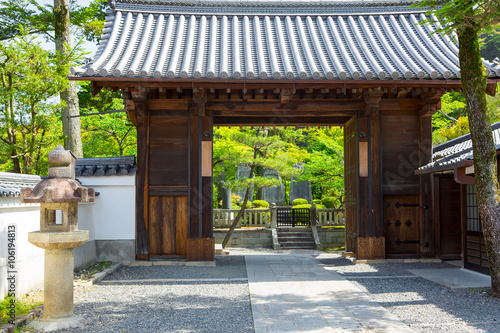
334,249
87,272
22,305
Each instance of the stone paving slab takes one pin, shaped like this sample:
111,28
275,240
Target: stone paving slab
294,293
454,277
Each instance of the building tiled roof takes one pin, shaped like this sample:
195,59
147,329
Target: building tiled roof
277,39
12,183
105,166
450,154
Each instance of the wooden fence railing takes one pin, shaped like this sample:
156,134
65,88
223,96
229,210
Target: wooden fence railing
330,217
223,218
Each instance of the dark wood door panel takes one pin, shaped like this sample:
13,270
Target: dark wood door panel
401,224
450,217
168,225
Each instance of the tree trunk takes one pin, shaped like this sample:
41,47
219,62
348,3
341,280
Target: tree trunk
240,213
71,126
485,163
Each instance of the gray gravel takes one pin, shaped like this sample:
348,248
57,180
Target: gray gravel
172,306
424,305
221,306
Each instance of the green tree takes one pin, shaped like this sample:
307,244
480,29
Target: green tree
30,76
54,23
490,44
260,147
468,18
105,134
325,164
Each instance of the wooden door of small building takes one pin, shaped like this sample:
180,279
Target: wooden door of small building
351,185
448,219
475,256
402,224
168,183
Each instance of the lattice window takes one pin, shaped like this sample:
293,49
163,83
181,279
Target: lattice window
473,220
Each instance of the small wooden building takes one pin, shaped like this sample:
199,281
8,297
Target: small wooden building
458,226
186,66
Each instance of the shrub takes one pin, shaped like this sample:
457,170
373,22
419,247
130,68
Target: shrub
317,201
297,202
328,202
260,204
302,206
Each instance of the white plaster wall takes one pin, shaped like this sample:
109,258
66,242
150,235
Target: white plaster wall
113,211
110,217
29,258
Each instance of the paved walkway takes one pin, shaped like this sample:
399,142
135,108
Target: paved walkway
294,293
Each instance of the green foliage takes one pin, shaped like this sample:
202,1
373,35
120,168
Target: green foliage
490,44
306,205
260,204
29,76
325,164
38,19
329,202
299,201
309,206
105,134
259,148
22,306
317,201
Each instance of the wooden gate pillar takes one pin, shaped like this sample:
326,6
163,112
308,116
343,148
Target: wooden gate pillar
200,245
371,243
136,104
431,100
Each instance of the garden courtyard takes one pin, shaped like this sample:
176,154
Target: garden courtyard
260,290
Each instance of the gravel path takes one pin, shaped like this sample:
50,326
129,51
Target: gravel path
424,305
205,299
181,306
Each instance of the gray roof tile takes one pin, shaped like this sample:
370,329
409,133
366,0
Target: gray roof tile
451,153
329,39
105,166
12,183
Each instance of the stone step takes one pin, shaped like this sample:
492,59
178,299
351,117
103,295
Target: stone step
295,239
296,229
297,246
295,233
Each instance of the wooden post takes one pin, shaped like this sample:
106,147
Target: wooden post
201,245
371,243
142,197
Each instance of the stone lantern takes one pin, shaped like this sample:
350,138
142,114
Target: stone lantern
58,196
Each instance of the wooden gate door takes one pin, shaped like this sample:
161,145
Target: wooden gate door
401,224
168,225
351,185
168,183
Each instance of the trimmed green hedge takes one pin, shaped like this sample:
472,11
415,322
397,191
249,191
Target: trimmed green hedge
328,202
260,204
299,202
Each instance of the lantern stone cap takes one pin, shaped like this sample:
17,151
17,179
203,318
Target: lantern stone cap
57,190
61,185
58,240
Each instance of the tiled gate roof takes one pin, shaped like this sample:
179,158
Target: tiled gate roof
329,39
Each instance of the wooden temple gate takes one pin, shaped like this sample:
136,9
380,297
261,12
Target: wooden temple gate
184,67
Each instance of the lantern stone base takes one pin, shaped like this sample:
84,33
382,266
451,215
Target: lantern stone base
47,325
58,277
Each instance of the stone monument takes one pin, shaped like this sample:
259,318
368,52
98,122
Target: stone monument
274,194
300,190
243,171
225,192
58,196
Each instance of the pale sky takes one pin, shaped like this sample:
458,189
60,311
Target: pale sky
88,46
